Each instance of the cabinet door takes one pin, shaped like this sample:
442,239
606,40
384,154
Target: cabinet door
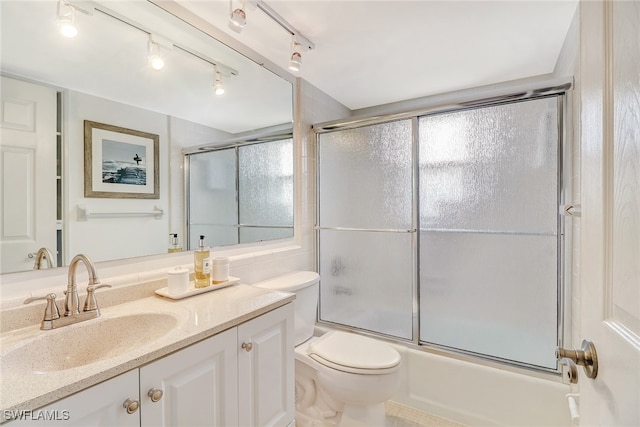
265,369
98,406
198,384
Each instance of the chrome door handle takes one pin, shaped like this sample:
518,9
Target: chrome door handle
585,357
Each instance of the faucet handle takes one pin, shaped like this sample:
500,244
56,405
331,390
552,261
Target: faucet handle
51,311
91,304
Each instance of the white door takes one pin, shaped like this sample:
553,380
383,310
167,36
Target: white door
265,369
99,406
610,223
196,386
28,173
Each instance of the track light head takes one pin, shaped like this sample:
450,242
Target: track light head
296,57
153,55
238,19
66,19
218,88
296,61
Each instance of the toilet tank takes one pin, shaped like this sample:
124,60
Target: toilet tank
305,285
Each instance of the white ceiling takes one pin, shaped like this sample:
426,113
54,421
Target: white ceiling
374,52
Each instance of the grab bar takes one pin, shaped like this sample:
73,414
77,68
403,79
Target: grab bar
84,213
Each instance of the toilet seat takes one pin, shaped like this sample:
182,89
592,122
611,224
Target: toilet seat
353,353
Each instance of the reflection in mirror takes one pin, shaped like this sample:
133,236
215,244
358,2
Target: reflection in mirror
241,194
51,85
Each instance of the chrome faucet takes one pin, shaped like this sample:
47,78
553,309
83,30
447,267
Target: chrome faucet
72,314
71,305
43,253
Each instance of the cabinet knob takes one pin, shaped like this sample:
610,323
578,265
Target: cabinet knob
155,394
131,406
247,346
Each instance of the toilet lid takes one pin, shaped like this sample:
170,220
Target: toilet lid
354,353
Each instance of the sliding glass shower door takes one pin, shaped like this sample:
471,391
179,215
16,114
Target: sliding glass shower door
366,228
482,276
489,230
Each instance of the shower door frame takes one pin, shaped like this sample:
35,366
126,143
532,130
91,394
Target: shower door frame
559,88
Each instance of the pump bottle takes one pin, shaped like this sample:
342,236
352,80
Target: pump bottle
174,245
202,265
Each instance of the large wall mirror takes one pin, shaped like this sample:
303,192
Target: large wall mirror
52,86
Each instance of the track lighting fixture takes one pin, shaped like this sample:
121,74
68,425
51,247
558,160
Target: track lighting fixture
299,43
218,88
66,19
156,42
296,57
153,55
237,17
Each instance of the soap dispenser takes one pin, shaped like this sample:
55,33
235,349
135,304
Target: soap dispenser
202,265
174,244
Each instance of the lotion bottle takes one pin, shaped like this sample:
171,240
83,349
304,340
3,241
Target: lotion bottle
202,265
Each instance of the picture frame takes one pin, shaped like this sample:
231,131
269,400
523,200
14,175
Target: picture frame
120,163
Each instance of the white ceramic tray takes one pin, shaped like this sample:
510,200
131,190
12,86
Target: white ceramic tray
196,291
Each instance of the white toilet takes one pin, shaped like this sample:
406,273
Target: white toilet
341,378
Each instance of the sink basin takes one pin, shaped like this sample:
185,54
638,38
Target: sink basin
88,342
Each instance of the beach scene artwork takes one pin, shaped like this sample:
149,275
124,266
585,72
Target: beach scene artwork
124,163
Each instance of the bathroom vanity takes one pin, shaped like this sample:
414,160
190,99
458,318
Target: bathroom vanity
222,358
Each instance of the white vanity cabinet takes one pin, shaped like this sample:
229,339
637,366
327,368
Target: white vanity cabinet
243,376
196,386
266,370
100,405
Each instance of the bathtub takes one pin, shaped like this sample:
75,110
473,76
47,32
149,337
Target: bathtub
479,395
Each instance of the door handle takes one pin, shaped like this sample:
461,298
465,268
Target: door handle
585,357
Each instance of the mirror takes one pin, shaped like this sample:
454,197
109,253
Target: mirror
103,76
241,194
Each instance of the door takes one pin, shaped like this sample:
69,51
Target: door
196,386
28,199
610,222
265,370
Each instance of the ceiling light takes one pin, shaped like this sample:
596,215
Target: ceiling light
218,88
237,17
66,19
153,55
296,57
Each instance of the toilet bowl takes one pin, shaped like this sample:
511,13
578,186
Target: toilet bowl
342,378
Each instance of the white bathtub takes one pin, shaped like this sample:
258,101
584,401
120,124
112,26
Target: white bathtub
478,395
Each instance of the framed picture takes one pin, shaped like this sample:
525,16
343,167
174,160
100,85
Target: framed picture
120,163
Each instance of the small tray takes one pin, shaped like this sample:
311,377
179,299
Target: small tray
196,291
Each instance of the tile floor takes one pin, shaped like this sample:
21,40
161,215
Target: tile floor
398,415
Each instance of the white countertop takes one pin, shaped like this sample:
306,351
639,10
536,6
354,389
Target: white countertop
198,317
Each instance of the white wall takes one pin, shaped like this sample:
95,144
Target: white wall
110,238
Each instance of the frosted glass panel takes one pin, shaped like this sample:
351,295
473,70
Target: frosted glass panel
266,184
212,198
488,230
490,294
492,168
366,280
366,177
